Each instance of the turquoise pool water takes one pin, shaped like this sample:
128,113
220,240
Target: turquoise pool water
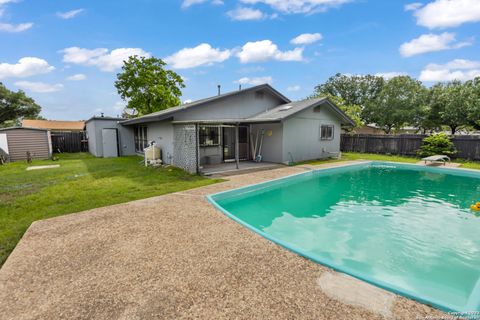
405,228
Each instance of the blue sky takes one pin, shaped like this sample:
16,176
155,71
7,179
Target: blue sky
66,54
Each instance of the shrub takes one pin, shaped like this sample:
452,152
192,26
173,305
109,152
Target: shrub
438,143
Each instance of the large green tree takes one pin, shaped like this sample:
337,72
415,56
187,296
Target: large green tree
397,104
15,106
354,90
147,86
427,115
452,101
473,102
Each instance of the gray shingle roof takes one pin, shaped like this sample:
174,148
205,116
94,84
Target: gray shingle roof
286,110
164,114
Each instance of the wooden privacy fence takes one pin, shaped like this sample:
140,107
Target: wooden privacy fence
67,141
468,147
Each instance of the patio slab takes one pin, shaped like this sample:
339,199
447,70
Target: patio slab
172,257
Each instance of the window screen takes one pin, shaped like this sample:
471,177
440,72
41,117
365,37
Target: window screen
140,137
209,136
326,132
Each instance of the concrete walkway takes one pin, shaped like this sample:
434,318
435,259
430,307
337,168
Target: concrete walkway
177,257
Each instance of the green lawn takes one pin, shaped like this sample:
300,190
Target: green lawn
346,156
82,182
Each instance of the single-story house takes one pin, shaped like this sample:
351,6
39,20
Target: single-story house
225,128
16,142
55,125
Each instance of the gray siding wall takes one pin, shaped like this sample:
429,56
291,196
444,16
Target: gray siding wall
240,106
22,140
301,135
162,134
92,138
272,145
95,142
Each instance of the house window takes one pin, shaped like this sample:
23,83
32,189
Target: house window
326,132
209,136
140,137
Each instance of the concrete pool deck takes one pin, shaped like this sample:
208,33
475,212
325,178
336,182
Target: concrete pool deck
177,257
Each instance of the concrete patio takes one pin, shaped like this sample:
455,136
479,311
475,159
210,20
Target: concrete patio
177,257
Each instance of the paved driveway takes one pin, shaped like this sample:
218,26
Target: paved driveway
176,257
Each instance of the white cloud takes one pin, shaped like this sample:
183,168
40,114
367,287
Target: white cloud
7,27
413,6
77,77
188,3
243,13
39,87
187,101
294,88
448,13
390,75
69,14
306,38
101,57
254,81
430,43
25,67
201,55
299,6
458,69
266,50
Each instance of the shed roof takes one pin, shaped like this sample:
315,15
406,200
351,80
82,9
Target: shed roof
54,124
23,128
164,114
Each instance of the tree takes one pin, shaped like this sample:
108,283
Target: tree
438,143
396,105
15,106
147,87
473,102
452,100
427,116
354,90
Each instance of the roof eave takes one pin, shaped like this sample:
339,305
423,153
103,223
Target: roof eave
146,118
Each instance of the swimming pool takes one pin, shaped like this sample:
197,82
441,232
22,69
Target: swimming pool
406,228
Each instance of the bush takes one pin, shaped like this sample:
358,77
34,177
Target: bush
437,144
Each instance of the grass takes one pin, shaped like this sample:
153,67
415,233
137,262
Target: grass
348,156
82,182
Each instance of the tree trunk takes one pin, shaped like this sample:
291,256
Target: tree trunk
453,129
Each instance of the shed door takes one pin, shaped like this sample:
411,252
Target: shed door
110,143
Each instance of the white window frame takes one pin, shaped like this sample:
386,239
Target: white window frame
322,133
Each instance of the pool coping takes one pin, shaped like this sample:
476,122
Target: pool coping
475,293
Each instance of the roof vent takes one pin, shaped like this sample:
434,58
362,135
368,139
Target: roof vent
286,108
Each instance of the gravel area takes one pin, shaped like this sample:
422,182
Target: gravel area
172,257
